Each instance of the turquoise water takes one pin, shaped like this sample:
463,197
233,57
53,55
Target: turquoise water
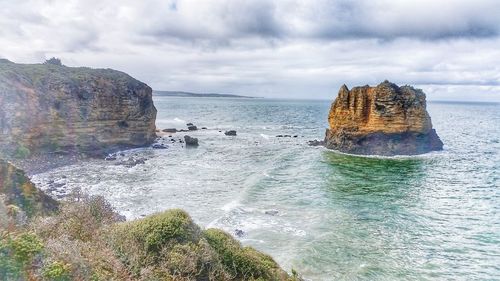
330,216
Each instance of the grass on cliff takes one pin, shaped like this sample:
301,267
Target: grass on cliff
88,240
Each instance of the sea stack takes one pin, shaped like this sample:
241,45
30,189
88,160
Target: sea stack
51,107
382,120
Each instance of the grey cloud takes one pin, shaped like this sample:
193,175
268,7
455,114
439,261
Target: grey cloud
226,20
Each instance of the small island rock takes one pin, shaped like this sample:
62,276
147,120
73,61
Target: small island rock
382,120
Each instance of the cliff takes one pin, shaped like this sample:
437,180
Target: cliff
17,190
381,120
50,107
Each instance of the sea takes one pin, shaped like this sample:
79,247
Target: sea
325,214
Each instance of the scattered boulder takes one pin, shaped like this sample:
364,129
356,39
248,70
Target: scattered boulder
190,141
131,162
169,130
315,143
192,128
204,128
279,136
230,133
159,146
271,212
239,232
111,157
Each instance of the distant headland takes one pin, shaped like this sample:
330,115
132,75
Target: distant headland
197,95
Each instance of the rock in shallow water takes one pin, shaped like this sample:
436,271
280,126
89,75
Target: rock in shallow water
230,133
382,120
190,141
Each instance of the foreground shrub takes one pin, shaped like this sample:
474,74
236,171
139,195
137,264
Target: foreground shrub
141,242
57,271
80,218
17,254
244,263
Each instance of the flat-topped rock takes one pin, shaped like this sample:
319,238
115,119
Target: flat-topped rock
47,107
381,120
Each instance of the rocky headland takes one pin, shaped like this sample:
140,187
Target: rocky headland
382,120
51,108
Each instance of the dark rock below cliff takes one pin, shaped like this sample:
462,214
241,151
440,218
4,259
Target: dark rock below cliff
47,107
381,120
190,141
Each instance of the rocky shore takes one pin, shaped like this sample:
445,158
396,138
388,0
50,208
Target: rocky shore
382,120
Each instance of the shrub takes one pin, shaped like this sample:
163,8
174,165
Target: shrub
155,231
22,152
243,262
25,246
57,271
80,218
53,61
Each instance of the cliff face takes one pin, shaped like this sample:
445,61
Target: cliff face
382,120
53,107
17,190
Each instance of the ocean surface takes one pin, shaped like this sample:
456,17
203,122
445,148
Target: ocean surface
328,215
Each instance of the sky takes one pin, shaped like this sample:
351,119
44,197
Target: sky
279,49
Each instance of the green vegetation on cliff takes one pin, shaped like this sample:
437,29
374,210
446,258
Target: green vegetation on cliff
83,238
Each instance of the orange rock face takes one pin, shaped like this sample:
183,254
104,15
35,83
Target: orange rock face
49,108
382,120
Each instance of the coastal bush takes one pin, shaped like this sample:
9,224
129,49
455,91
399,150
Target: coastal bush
53,61
22,152
244,263
25,246
57,271
87,240
81,218
17,254
141,242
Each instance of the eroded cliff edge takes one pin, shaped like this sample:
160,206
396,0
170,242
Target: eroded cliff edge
382,120
47,107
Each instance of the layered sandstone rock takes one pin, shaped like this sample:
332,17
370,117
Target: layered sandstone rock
46,107
381,120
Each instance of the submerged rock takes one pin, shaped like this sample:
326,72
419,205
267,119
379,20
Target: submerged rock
315,142
239,233
381,120
192,128
169,130
190,141
159,146
230,133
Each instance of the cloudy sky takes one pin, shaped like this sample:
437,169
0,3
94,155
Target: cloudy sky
282,48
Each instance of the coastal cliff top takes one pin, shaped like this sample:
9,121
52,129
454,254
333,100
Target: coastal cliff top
40,74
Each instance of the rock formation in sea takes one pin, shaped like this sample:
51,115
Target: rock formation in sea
50,107
382,120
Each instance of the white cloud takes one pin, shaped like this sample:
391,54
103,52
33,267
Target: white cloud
286,48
